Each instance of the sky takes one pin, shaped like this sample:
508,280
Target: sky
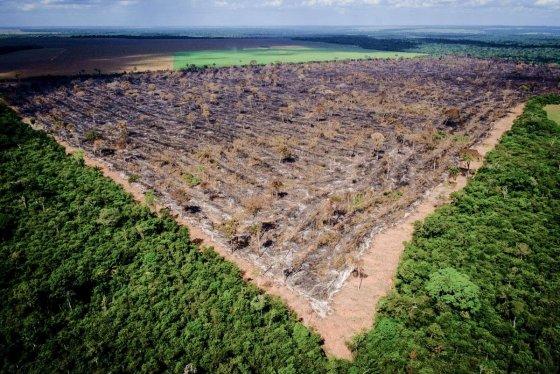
185,13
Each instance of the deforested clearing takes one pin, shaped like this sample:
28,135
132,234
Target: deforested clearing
295,168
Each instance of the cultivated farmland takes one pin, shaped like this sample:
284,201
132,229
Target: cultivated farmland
293,167
283,54
52,55
101,54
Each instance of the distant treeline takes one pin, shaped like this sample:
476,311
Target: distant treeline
378,44
407,44
158,36
532,50
491,44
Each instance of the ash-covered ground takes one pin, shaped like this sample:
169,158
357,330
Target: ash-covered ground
295,167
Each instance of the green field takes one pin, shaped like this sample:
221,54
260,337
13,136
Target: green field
290,54
553,112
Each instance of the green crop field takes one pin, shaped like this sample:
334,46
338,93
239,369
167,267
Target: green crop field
289,54
553,112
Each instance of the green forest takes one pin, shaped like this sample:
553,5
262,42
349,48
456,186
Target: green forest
478,286
535,50
92,281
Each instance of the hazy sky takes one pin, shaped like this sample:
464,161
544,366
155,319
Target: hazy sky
277,12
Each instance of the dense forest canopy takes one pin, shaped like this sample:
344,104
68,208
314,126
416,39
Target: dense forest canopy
478,286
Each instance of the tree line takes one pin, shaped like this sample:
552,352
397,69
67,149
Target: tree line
529,50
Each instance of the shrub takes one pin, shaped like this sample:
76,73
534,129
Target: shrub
133,178
91,135
455,289
191,179
150,198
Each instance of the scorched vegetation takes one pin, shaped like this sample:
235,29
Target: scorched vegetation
295,167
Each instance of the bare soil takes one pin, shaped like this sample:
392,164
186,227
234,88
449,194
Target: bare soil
73,56
295,172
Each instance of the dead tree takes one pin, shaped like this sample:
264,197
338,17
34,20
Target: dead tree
378,139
